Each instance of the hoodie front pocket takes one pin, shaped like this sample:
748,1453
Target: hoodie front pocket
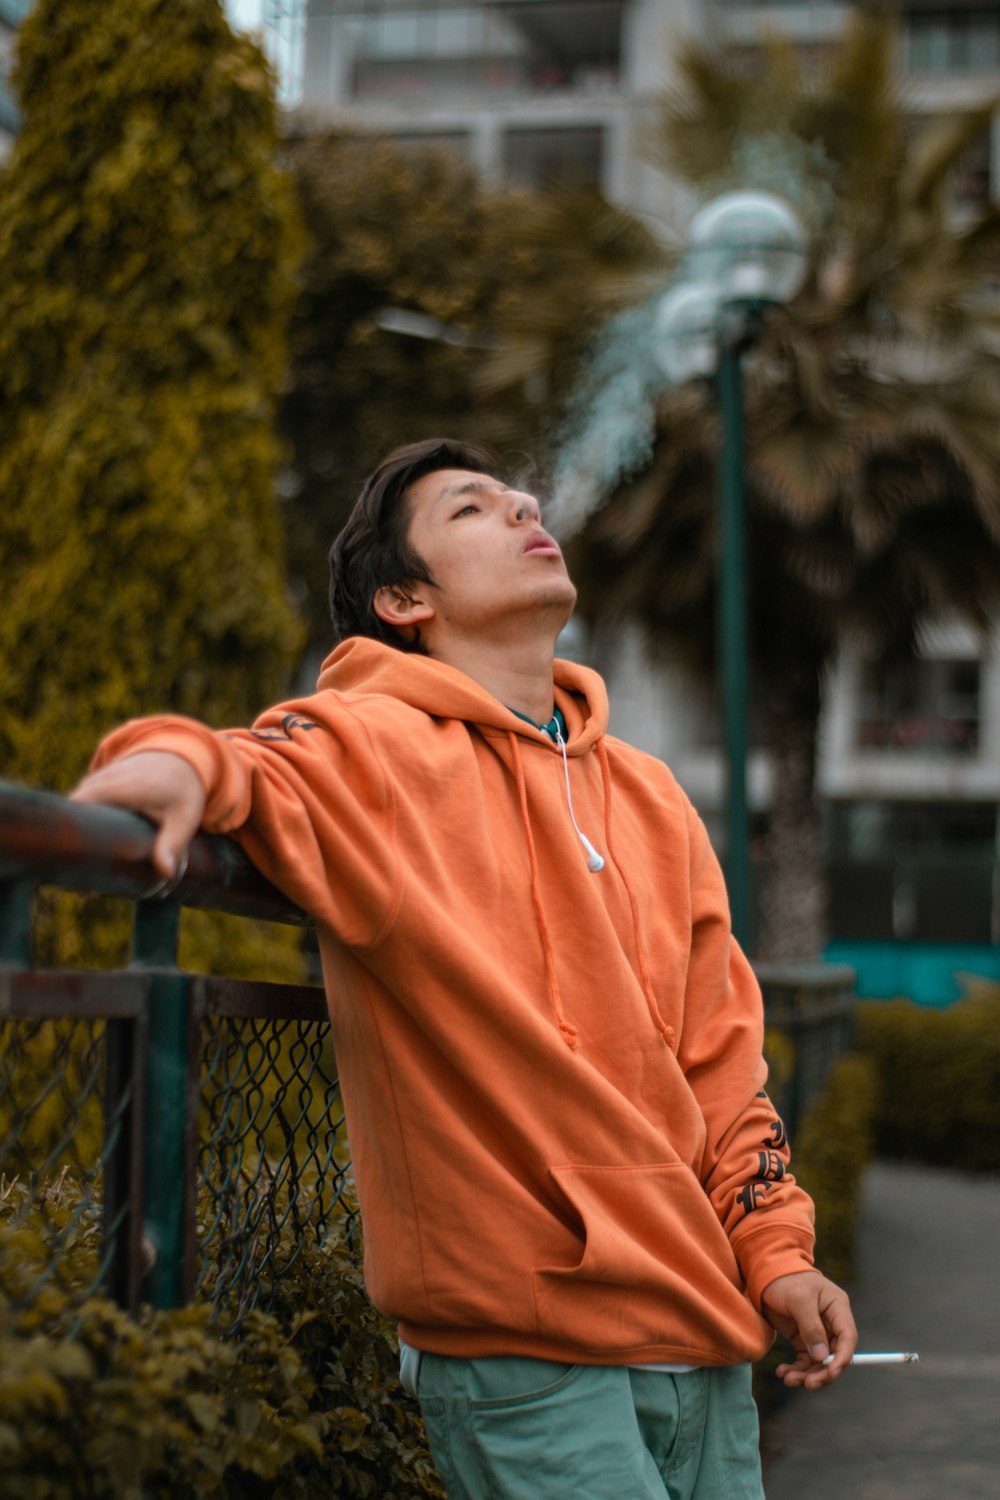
656,1269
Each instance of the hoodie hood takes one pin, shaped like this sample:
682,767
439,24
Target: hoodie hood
363,666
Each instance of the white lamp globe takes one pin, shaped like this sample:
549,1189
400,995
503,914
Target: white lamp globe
686,332
750,245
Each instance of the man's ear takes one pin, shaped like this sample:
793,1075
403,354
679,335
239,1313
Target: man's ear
400,609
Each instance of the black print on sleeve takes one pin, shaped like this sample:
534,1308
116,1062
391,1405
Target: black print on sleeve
770,1169
288,723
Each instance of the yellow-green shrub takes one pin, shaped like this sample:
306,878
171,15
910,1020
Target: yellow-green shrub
831,1150
148,256
303,1405
938,1078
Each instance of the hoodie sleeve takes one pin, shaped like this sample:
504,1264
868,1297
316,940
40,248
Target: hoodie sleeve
305,794
745,1169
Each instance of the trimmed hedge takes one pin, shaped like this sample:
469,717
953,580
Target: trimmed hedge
832,1145
938,1078
829,1156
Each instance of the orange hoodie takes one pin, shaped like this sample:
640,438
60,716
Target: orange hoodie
552,1077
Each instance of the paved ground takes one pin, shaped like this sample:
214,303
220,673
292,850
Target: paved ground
928,1279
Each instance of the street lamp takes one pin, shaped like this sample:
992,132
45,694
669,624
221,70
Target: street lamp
746,251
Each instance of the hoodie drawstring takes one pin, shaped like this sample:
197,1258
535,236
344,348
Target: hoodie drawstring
569,1032
667,1032
595,864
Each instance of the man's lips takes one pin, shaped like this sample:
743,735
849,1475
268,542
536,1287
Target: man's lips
542,542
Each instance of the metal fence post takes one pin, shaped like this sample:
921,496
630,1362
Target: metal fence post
16,903
126,1052
171,1120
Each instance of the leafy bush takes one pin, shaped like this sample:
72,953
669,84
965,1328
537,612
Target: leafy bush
779,1053
300,1405
829,1156
938,1078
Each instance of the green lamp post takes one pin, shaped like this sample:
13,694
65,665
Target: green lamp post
746,251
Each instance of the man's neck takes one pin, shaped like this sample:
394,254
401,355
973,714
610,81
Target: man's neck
518,673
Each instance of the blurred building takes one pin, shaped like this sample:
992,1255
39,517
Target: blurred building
531,91
12,13
540,90
536,91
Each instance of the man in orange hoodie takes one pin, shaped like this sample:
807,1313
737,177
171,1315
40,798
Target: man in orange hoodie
576,1193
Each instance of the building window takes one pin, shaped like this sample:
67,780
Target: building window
971,187
541,158
434,80
912,871
433,52
570,45
501,48
922,707
8,110
953,41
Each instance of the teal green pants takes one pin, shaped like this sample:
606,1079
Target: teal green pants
530,1429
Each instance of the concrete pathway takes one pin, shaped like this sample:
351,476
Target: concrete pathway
928,1279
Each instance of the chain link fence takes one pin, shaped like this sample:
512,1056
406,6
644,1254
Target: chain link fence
265,1155
273,1167
164,1136
55,1144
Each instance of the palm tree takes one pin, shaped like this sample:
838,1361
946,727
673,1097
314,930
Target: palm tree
872,416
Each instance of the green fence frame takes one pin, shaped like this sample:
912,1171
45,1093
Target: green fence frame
198,1076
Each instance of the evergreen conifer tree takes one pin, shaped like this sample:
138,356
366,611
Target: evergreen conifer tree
148,248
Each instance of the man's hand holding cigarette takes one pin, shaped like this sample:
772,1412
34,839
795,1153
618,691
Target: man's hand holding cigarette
815,1316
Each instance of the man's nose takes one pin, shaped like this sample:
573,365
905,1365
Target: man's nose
526,508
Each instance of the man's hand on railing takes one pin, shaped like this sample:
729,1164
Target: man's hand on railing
161,786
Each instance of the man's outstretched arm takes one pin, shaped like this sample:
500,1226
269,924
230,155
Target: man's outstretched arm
160,785
815,1315
302,791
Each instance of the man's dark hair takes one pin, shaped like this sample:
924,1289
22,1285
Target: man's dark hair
373,550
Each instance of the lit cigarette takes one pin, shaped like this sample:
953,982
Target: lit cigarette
880,1359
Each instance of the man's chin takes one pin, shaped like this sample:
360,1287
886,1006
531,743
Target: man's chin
555,607
559,593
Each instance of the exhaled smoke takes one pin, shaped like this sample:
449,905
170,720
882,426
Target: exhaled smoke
609,431
797,170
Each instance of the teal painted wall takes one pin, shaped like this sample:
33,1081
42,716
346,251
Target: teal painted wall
928,973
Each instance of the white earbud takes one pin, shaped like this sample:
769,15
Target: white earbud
595,862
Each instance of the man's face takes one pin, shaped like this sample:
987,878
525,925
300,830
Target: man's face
491,560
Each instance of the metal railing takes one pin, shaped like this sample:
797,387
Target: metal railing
163,1135
813,1006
